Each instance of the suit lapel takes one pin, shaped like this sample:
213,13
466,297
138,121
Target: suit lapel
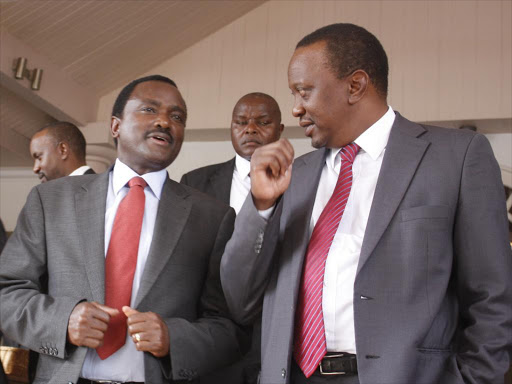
404,152
90,205
302,198
173,211
221,180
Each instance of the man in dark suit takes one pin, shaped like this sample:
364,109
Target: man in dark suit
58,150
385,257
256,121
105,275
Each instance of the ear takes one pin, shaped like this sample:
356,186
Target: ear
63,149
359,82
114,126
281,127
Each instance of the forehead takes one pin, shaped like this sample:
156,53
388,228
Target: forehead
159,91
309,60
41,140
254,105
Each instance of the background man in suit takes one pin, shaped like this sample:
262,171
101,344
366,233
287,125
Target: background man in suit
58,150
106,276
256,121
391,252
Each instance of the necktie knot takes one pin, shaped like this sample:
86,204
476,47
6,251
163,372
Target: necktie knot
137,181
349,152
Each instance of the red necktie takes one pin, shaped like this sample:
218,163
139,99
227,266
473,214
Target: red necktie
309,339
120,263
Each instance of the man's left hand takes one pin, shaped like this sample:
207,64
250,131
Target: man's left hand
148,331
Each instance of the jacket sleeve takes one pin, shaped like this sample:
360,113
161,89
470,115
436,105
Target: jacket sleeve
200,346
28,315
248,261
483,269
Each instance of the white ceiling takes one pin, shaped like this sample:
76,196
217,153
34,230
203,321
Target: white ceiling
104,44
101,45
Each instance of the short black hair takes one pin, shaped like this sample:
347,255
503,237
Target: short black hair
262,95
64,131
125,93
351,47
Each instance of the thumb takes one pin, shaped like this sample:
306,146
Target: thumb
104,308
128,311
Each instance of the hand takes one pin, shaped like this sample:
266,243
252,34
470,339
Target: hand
148,332
87,324
271,171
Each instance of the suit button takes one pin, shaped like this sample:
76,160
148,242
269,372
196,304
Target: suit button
283,373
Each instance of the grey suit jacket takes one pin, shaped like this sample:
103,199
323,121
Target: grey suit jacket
55,259
433,290
214,180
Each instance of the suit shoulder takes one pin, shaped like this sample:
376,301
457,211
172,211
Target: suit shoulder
65,184
451,138
206,171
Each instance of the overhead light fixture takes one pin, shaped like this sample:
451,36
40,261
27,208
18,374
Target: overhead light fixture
33,75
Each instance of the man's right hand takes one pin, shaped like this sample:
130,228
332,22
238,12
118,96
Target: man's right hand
271,171
88,323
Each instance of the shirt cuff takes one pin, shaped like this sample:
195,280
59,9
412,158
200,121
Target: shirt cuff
267,212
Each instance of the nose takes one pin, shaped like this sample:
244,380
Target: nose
298,109
251,127
162,120
37,168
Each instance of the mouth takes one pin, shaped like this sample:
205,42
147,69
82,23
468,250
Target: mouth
160,138
42,177
308,127
252,142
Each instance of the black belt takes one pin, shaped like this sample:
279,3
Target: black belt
338,363
87,381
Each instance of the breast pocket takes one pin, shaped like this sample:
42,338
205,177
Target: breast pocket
426,252
426,212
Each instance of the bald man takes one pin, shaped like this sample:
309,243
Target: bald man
58,150
256,121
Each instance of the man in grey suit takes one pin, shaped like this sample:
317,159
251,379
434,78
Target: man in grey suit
404,277
256,121
58,150
57,279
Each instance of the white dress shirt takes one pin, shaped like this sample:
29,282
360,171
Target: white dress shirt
127,364
80,171
241,183
343,257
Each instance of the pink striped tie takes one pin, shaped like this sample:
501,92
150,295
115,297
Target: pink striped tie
310,347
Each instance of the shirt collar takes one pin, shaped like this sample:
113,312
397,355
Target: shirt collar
242,166
122,173
80,170
373,140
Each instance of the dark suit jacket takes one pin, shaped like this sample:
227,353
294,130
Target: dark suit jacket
433,289
90,171
215,180
56,258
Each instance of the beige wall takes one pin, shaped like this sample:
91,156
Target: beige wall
449,60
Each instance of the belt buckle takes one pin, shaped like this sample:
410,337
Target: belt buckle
108,382
331,357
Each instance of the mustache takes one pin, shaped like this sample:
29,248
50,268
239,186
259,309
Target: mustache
165,132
